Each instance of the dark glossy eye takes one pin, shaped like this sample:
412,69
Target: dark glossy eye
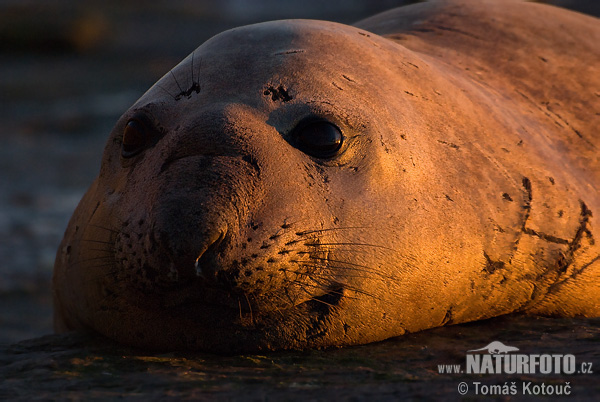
135,137
320,139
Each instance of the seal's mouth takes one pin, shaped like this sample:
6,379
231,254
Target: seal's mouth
223,323
194,301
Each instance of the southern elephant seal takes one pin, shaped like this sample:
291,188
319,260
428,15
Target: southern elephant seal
299,184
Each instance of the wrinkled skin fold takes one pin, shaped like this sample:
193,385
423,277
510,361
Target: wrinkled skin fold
464,186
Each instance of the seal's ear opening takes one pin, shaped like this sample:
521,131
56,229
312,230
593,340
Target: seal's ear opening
320,139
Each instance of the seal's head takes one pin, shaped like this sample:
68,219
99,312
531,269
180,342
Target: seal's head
241,200
286,186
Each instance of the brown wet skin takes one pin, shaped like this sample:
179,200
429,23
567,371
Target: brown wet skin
303,184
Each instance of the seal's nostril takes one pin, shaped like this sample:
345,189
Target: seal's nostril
205,261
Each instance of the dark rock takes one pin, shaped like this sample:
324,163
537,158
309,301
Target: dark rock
77,366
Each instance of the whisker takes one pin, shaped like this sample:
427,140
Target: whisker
354,267
250,308
345,250
366,268
314,298
316,285
97,241
282,300
325,288
360,291
107,250
106,258
323,302
303,233
337,268
322,286
104,228
344,285
348,244
74,264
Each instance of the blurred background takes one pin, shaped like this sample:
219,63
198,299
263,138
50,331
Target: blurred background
67,72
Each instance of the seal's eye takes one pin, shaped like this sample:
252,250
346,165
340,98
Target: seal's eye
135,138
320,139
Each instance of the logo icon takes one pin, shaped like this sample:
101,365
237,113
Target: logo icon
495,348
